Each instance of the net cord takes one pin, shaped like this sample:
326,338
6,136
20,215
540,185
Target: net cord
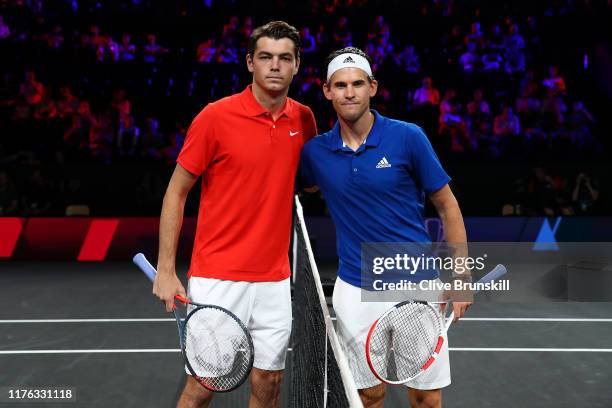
349,383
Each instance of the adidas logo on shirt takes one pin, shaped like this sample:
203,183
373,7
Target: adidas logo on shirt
347,60
383,163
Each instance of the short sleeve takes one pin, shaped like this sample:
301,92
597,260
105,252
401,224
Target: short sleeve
424,161
306,177
200,144
309,124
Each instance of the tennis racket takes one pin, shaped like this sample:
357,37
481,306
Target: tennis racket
216,346
405,341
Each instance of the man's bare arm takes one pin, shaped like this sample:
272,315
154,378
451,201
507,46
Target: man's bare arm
167,284
448,209
454,231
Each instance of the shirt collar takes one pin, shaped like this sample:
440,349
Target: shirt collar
372,139
253,108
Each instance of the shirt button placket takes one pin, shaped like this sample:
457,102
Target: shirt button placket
354,169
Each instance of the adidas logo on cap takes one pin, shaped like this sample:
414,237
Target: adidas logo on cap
348,60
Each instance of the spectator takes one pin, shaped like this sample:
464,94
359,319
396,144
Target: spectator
96,40
227,54
54,39
152,141
475,36
39,197
555,81
553,111
542,193
514,40
9,200
528,109
427,94
77,136
478,106
445,105
585,194
247,28
455,44
101,138
308,41
127,50
31,90
206,51
177,138
342,35
47,108
506,123
68,104
128,136
514,61
112,49
454,129
322,36
496,40
152,50
376,28
311,82
578,123
121,104
491,60
532,34
230,36
5,31
410,60
470,60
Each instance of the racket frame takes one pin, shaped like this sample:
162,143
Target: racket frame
444,324
149,270
182,324
494,274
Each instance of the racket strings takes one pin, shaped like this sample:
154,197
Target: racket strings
404,340
217,349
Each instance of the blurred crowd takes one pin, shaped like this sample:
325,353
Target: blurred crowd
100,83
548,193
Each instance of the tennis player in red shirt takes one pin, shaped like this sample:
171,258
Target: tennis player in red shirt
246,147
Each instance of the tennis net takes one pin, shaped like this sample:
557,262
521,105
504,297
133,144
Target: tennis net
320,375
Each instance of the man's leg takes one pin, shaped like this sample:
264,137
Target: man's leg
373,397
194,395
425,398
265,388
270,328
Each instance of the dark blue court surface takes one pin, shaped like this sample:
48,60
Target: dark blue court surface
97,329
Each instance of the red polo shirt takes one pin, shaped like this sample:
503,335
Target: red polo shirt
248,164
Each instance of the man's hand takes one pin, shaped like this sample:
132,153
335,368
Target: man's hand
460,308
166,286
462,300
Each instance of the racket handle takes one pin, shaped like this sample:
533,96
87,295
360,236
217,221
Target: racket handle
182,299
449,320
141,261
495,273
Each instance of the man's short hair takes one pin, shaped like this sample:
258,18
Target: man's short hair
346,50
275,30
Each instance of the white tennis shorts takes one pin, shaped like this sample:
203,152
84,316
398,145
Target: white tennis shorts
353,321
263,307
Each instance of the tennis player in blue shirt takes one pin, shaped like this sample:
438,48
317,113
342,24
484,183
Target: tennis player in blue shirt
375,174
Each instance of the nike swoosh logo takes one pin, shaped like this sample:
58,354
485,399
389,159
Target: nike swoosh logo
293,133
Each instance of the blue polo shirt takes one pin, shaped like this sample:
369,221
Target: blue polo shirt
377,193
